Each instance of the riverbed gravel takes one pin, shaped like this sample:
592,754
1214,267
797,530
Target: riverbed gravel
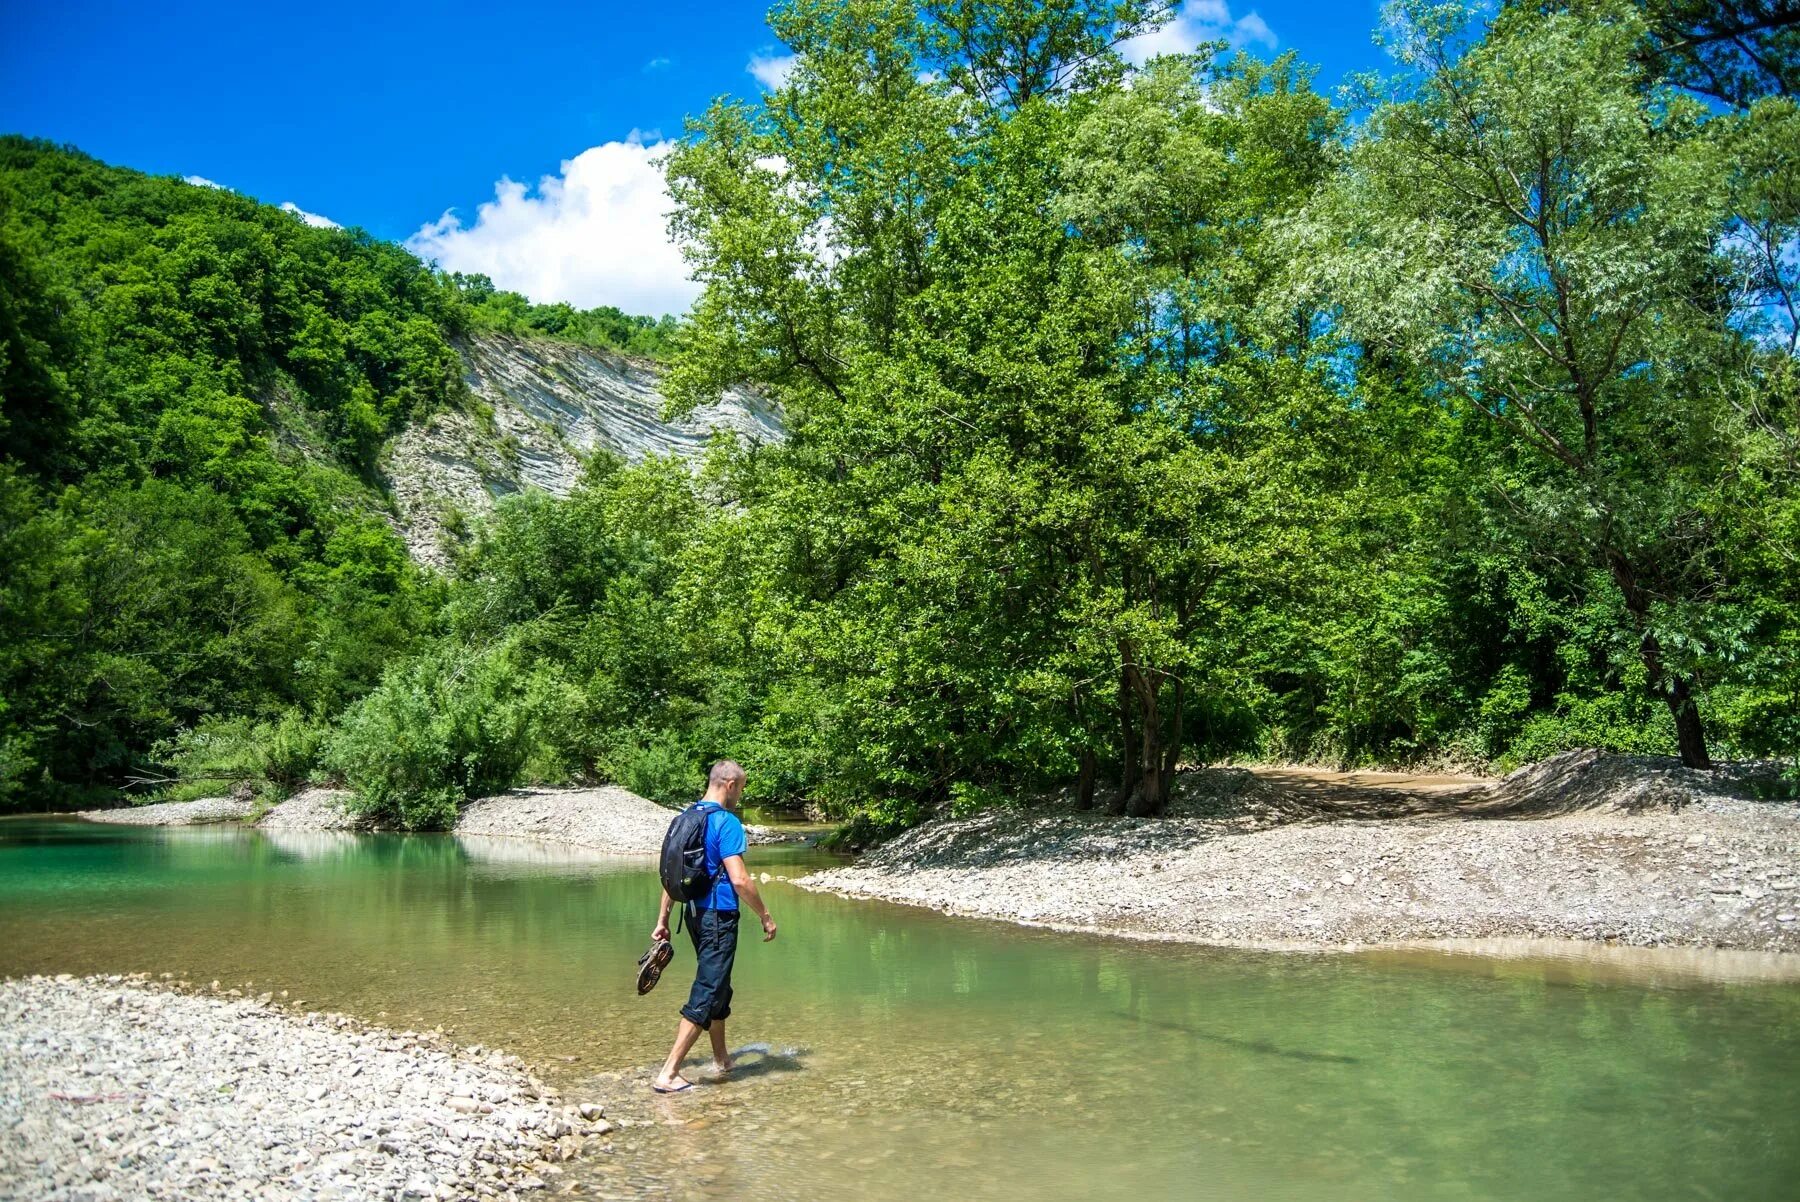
607,818
117,1088
314,810
1605,848
175,813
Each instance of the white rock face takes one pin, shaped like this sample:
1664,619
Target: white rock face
553,405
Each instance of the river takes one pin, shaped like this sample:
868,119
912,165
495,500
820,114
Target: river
916,1056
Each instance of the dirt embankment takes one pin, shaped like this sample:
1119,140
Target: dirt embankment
1584,846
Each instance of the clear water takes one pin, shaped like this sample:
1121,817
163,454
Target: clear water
917,1056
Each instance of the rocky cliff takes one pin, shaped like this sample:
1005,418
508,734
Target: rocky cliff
539,408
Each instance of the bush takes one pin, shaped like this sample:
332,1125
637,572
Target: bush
451,725
659,766
873,823
1610,721
276,756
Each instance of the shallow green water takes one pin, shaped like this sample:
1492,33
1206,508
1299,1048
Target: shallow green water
938,1057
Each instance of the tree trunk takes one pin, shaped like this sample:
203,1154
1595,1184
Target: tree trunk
1690,735
1172,753
1675,690
1126,753
1149,796
1084,799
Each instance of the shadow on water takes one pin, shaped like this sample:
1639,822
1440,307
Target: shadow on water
768,1062
1249,1045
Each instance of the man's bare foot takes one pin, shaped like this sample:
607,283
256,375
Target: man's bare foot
721,1067
671,1084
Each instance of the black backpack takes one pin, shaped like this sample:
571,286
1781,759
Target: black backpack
684,874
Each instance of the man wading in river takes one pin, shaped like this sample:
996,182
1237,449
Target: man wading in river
712,923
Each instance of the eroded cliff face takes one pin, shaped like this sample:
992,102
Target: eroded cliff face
552,405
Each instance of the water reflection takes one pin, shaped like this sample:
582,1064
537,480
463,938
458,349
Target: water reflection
312,845
534,856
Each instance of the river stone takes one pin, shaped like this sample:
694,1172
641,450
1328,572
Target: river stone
162,1126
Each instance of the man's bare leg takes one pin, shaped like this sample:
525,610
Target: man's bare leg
686,1035
721,1057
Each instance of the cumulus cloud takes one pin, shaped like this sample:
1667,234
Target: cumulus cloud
324,223
1199,21
771,70
595,234
200,181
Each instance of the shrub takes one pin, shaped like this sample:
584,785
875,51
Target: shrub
275,756
660,767
450,725
1609,721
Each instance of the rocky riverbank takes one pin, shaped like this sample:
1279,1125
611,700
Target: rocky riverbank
115,1088
1584,846
605,819
175,813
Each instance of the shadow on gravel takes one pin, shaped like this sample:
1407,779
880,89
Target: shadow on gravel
1570,783
1213,804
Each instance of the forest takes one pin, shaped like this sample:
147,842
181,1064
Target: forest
1138,417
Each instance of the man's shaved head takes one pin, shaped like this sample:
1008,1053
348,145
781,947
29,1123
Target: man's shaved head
723,773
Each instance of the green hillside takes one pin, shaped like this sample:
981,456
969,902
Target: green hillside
196,387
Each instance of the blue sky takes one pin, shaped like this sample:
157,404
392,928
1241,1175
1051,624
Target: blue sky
389,116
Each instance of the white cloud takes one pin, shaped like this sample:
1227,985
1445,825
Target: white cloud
313,219
771,70
1199,21
594,235
200,181
659,63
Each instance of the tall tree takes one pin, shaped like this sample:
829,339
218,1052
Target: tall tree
1011,306
1535,225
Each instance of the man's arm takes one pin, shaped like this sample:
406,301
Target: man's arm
746,889
662,918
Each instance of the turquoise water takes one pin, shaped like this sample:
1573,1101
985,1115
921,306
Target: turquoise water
921,1056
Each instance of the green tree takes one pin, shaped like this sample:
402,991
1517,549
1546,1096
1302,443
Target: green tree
1535,229
1011,310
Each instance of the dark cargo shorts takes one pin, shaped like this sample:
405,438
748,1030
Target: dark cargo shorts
714,933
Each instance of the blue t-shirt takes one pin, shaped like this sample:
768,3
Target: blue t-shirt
724,838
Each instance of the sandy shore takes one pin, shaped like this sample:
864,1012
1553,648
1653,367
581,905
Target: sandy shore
111,1088
1585,847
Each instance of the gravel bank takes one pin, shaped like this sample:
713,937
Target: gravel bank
113,1089
313,810
1584,846
175,813
608,818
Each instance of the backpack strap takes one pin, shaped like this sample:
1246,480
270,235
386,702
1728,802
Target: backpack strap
711,878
